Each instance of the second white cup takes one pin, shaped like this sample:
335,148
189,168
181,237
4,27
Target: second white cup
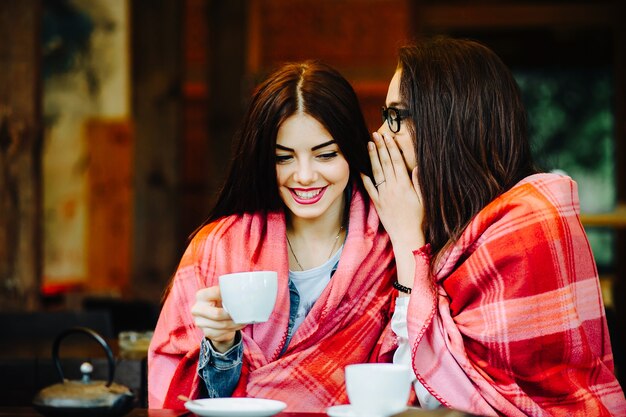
249,297
378,389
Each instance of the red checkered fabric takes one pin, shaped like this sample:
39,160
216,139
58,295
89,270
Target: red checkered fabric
514,323
343,327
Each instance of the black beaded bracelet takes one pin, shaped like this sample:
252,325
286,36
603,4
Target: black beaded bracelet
401,287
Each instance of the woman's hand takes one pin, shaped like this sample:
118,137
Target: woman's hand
398,201
213,320
396,196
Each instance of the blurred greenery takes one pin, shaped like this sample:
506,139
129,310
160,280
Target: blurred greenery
571,128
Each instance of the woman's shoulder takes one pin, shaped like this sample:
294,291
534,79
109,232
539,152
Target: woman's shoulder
214,229
550,183
540,198
235,226
545,192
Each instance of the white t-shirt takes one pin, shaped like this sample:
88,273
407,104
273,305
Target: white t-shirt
403,354
310,284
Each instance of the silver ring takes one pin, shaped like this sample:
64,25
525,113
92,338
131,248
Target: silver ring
378,183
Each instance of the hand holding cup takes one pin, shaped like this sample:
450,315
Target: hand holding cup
214,321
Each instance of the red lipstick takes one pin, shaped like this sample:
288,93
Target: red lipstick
307,195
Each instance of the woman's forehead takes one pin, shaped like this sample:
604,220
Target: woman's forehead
393,93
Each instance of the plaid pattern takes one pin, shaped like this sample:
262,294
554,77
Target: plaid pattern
515,323
343,327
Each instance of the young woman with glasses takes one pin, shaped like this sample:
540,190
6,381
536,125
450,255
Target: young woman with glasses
499,309
293,202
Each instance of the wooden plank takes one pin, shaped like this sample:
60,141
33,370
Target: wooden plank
196,195
20,154
227,84
255,38
110,205
157,57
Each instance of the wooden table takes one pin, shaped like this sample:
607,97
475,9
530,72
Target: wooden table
137,412
143,412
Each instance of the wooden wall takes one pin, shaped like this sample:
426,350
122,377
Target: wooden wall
20,154
194,63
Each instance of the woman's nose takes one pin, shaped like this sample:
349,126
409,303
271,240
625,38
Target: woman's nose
305,173
384,128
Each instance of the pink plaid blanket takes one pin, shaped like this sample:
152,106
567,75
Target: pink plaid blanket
514,323
343,327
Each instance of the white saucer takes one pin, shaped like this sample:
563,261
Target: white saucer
347,411
340,411
235,407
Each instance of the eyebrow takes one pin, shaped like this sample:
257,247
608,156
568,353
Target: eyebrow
316,147
396,104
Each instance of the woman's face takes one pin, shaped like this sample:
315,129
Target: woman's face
402,137
311,171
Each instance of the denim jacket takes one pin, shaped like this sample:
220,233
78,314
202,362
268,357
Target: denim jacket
220,371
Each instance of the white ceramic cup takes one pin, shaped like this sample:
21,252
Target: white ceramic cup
378,389
249,297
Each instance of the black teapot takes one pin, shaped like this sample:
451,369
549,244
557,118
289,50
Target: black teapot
84,397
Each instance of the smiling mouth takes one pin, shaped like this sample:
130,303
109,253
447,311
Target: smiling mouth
307,195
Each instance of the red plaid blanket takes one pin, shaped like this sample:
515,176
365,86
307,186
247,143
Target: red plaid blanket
515,323
343,327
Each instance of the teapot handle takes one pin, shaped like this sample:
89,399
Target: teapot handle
89,332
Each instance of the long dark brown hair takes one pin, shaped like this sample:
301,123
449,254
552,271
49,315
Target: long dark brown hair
310,87
469,126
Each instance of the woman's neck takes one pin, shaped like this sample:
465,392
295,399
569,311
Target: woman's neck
311,242
322,227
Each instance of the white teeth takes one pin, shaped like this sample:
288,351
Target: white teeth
307,194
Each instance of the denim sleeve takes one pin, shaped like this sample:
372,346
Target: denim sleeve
220,371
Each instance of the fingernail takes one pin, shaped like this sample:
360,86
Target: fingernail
370,146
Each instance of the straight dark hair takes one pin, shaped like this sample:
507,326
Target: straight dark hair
309,87
469,127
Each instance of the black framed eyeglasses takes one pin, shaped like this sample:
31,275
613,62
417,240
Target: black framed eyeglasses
394,116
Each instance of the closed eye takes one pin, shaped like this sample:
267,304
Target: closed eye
283,159
326,156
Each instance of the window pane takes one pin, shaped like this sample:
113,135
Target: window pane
571,128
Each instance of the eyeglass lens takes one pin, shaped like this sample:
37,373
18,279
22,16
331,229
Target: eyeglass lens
390,114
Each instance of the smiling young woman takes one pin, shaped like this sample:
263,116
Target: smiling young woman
293,203
312,176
